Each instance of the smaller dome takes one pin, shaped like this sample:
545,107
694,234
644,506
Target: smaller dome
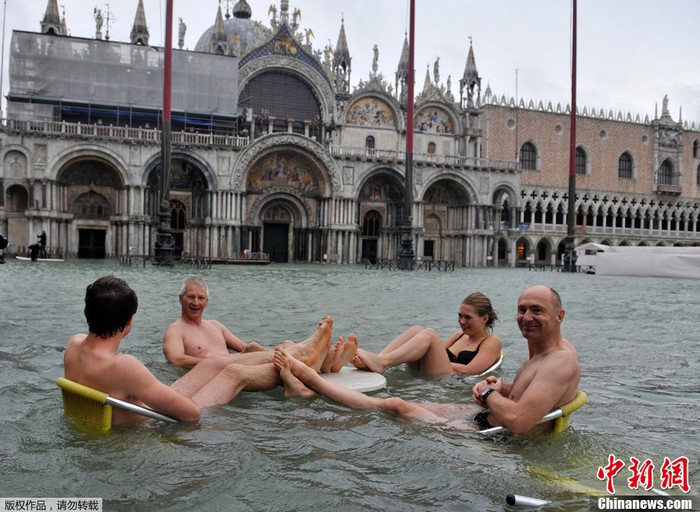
241,31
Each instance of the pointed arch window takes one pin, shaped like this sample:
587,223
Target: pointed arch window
697,179
696,148
528,156
624,166
581,162
371,227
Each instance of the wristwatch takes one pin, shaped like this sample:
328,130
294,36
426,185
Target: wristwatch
485,394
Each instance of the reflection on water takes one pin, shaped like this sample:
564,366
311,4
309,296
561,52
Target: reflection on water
637,339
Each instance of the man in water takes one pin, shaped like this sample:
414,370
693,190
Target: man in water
191,338
548,379
94,360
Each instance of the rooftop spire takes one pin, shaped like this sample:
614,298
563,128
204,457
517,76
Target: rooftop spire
341,59
219,44
139,32
428,82
471,79
52,24
402,72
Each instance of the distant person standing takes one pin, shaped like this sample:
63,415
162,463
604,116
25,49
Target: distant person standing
3,244
42,244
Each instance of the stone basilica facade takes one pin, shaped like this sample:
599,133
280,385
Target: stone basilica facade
293,158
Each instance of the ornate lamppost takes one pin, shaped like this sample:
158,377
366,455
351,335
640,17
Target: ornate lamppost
165,243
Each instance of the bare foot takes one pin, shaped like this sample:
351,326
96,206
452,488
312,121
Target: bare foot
331,356
346,353
371,361
359,363
313,351
292,386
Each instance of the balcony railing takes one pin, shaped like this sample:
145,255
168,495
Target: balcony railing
191,139
119,133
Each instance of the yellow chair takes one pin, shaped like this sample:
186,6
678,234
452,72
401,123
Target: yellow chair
561,415
94,408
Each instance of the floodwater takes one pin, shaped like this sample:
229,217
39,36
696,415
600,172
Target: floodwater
638,341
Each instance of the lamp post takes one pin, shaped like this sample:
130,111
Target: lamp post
165,242
406,254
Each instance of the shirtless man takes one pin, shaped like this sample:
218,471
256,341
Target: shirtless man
550,376
190,338
94,360
548,380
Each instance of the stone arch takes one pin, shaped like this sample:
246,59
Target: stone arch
281,217
523,250
543,251
188,184
383,190
91,184
318,84
16,198
435,117
89,152
286,168
186,156
294,204
464,186
91,205
319,160
15,163
373,110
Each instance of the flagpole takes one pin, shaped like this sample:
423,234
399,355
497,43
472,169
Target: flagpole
406,253
569,243
2,56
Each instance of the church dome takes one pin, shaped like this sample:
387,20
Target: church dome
240,30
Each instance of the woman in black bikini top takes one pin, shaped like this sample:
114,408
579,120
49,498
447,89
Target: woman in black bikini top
465,356
471,350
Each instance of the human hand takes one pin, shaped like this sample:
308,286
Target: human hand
492,382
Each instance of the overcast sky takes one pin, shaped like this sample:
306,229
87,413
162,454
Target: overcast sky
630,52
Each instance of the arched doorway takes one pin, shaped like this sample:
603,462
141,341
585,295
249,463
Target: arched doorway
277,219
381,212
92,187
371,229
16,203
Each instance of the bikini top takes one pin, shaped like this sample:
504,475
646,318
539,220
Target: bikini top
465,356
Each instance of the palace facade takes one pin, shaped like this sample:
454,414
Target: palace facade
276,149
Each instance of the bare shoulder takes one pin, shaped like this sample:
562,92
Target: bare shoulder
129,369
214,323
76,339
174,329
